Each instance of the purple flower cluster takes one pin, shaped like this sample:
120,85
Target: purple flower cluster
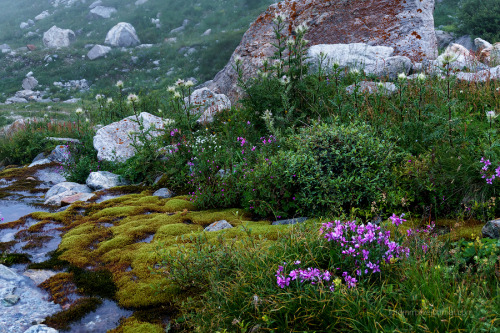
397,220
311,275
484,171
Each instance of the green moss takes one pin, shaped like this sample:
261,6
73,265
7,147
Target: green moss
10,259
177,205
133,325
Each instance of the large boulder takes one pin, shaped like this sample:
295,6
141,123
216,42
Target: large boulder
406,26
56,37
98,51
492,229
67,186
122,35
376,60
443,38
206,103
114,141
42,15
102,12
30,83
4,48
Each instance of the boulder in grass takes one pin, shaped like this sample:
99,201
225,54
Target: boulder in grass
101,180
492,229
290,221
122,35
219,225
164,193
206,103
102,12
98,51
57,38
368,87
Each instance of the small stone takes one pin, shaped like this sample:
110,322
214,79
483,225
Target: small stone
10,300
68,200
290,221
41,329
219,225
60,154
164,193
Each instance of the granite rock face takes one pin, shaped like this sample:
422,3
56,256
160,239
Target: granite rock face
405,25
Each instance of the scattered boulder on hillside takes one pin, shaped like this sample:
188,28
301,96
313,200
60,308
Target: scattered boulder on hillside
376,60
406,26
114,143
102,12
42,15
30,83
66,3
25,96
457,57
207,32
95,4
98,51
122,35
466,41
207,103
4,48
81,85
140,2
181,28
101,180
480,76
56,37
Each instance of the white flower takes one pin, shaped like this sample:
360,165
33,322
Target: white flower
302,28
119,84
290,41
491,115
177,95
285,80
79,111
160,111
98,97
421,77
171,89
45,115
87,120
277,63
110,100
180,82
132,98
497,89
189,84
168,122
278,18
238,60
402,76
354,71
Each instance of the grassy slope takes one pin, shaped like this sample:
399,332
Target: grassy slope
228,20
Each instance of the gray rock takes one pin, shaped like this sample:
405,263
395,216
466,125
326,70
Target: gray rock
98,51
114,142
41,329
42,15
122,35
290,221
13,100
30,83
395,66
64,140
95,4
10,300
219,225
102,12
56,200
40,162
101,180
57,38
207,32
466,41
206,103
24,25
72,100
50,176
482,44
67,186
480,76
384,88
443,38
492,229
140,2
164,193
4,48
39,275
60,154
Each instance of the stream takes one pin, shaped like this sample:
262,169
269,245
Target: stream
22,303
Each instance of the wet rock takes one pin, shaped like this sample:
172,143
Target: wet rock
10,300
290,221
56,200
8,274
101,180
122,35
41,329
57,38
98,51
164,193
384,88
39,275
219,225
68,200
67,186
492,229
114,143
207,103
50,175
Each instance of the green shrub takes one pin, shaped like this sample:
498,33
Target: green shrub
480,18
326,169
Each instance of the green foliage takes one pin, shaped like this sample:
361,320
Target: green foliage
480,18
327,168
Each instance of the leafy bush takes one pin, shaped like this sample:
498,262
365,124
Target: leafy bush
480,18
326,169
